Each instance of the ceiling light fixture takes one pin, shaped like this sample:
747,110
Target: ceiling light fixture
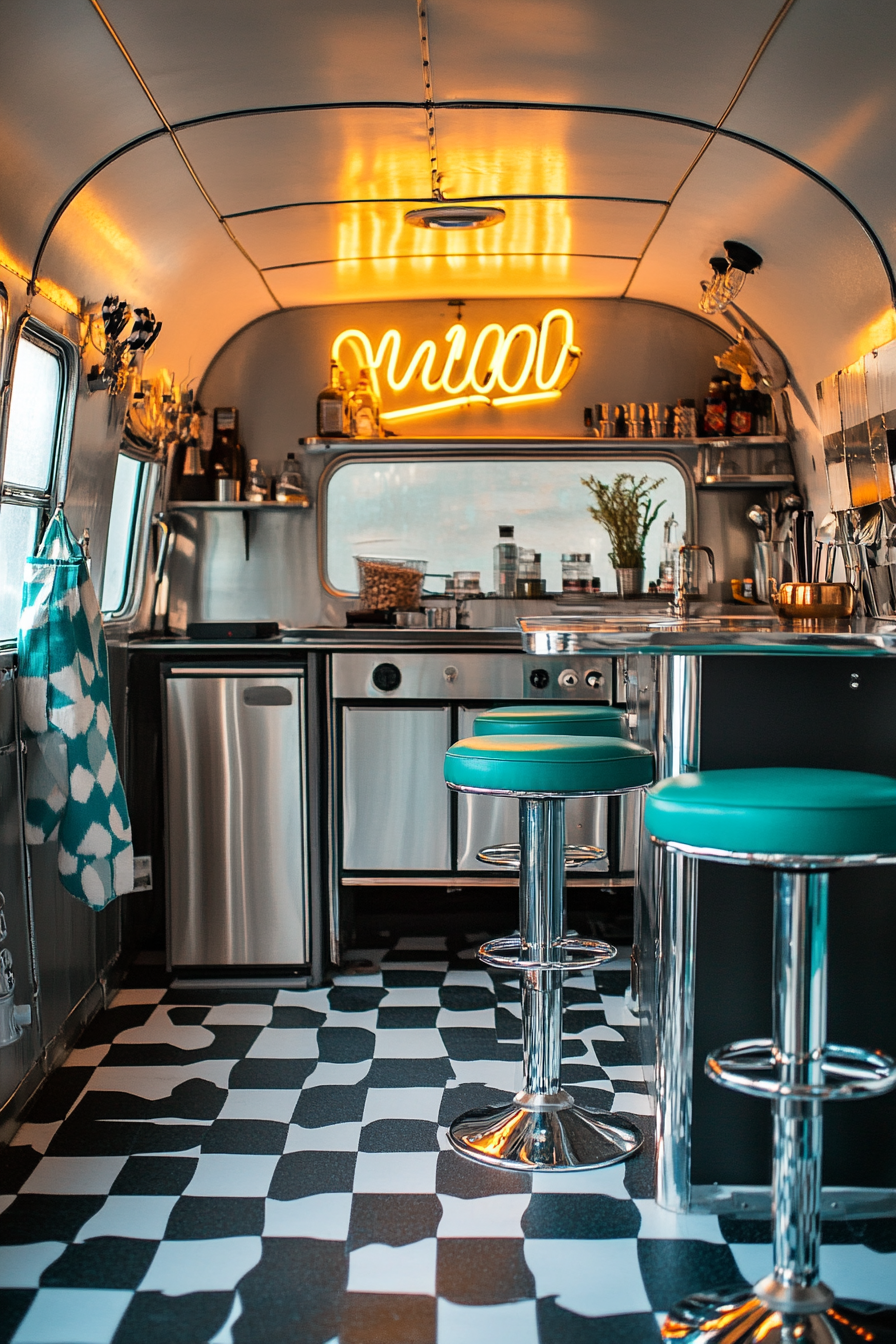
729,274
441,215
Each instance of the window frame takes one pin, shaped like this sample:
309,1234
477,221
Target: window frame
12,495
567,451
141,521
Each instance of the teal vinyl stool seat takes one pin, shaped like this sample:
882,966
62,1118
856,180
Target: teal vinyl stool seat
802,823
542,1128
575,720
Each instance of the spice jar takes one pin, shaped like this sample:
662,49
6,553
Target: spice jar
576,569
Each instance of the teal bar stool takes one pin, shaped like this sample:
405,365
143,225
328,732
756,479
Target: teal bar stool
543,1128
802,824
573,720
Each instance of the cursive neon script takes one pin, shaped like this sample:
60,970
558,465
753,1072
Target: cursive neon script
478,377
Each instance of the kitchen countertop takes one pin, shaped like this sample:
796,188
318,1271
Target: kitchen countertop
704,634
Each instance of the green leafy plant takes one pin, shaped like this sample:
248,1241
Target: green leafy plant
626,510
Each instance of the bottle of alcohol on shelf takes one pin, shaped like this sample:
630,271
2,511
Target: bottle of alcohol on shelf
226,460
365,410
332,406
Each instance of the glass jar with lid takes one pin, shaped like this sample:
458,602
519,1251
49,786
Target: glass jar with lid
576,570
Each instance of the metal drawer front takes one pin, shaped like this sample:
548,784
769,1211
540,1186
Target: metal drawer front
236,828
395,804
485,821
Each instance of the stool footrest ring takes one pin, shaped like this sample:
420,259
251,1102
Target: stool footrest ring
508,856
587,953
755,1067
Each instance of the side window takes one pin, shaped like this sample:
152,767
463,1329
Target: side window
32,461
132,481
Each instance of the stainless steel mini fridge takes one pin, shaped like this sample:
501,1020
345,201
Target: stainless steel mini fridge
236,817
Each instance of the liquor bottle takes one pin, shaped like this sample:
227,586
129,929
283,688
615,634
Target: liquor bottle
332,407
256,491
289,488
365,411
506,563
226,460
741,412
188,477
715,411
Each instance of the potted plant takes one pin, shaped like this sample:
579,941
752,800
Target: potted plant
626,510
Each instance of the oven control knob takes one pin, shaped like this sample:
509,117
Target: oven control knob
568,678
593,679
539,678
386,677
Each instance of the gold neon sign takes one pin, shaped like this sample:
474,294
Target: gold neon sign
474,378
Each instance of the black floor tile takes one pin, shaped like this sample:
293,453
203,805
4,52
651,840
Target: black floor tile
320,1106
458,1176
14,1302
393,1220
466,998
474,1270
558,1326
245,1136
476,1043
32,1218
154,1176
58,1095
355,998
388,1318
300,1174
16,1165
672,1270
290,1017
414,979
192,1318
101,1262
196,1099
399,1136
262,1073
345,1045
294,1294
106,1026
580,1217
508,1027
188,1016
406,1019
196,1217
90,1138
409,1072
573,1049
229,1043
745,1231
168,1138
469,1097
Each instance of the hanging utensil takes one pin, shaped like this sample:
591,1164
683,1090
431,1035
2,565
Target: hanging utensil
761,520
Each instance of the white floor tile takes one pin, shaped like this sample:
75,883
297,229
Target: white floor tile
479,979
5,1201
395,1173
142,1216
598,1033
337,1075
604,1181
598,1084
414,996
86,1059
411,1043
394,1269
515,1009
490,1216
239,1015
269,1103
125,997
753,1259
635,1103
158,1029
858,1272
628,1073
212,1266
660,1224
37,1137
364,1021
284,1043
317,1000
233,1174
342,1138
161,1080
402,1103
591,1278
73,1176
22,1266
506,1075
475,1017
372,981
511,1321
76,1315
616,1012
324,1217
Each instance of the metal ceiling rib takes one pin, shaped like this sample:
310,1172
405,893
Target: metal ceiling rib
180,150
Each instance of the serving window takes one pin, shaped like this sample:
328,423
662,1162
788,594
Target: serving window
446,508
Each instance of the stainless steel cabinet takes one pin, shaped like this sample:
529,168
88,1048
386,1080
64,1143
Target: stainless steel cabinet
395,806
485,821
236,817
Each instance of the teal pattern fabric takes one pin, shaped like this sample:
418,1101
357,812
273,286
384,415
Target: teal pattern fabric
74,794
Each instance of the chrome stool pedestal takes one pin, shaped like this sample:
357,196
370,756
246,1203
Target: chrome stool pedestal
543,1128
797,1070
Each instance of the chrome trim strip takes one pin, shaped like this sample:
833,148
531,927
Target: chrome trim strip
808,863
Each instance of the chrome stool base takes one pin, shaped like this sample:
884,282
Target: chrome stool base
745,1318
545,1135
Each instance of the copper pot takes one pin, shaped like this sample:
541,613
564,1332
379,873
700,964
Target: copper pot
813,601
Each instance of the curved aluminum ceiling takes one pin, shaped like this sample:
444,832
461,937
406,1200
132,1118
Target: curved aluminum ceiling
217,159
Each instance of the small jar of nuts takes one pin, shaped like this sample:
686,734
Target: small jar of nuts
385,582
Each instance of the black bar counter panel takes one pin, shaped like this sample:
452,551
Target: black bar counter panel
764,711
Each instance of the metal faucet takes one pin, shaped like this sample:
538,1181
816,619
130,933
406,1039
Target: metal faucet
681,601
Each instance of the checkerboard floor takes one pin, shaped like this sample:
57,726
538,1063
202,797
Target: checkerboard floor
255,1166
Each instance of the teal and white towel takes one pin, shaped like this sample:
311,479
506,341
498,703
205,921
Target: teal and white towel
74,793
